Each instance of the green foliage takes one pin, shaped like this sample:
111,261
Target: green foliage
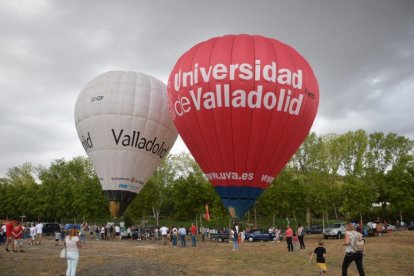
340,175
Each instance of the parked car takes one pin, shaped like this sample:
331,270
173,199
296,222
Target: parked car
391,227
314,229
336,230
220,236
259,235
49,229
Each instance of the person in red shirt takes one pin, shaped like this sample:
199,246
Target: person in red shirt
17,233
193,235
9,236
289,235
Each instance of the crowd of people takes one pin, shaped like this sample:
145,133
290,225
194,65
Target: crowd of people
73,236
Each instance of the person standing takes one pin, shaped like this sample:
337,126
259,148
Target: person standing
9,236
235,235
91,231
17,233
351,255
174,236
58,237
289,237
72,244
39,232
118,232
3,234
103,230
156,233
193,231
277,233
182,233
82,233
97,232
301,234
32,230
164,233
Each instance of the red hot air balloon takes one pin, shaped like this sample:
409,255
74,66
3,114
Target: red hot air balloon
243,104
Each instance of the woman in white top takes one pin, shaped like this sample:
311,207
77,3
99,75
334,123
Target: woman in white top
73,245
351,254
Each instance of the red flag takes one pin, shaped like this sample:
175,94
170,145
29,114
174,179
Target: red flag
207,214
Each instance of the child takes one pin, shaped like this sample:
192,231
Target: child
295,242
57,237
32,234
320,252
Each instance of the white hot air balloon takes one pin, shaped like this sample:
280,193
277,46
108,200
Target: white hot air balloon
124,126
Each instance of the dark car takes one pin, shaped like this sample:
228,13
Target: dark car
50,229
314,229
220,236
259,235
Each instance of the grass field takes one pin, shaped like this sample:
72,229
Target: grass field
392,254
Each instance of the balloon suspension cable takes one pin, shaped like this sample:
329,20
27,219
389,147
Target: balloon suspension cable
235,220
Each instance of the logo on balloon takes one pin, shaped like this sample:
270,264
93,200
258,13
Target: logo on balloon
134,140
223,95
86,142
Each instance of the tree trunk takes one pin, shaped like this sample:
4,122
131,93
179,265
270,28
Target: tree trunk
323,220
327,217
308,216
287,220
255,218
274,219
156,214
401,217
294,217
336,213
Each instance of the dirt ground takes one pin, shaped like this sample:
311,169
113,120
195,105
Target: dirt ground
392,254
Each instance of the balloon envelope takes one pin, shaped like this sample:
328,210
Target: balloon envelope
123,124
242,104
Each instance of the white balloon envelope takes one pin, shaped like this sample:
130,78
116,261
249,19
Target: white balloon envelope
123,123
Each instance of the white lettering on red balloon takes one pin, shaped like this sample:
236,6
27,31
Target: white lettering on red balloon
223,94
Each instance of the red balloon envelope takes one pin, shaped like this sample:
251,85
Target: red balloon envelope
243,104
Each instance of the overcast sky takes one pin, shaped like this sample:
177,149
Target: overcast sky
362,53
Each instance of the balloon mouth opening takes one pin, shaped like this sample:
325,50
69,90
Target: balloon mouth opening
238,200
118,201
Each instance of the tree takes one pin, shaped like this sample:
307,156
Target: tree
358,197
399,183
20,188
70,190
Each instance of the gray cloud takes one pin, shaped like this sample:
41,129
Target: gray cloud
361,51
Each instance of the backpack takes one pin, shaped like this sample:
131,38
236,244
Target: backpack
359,243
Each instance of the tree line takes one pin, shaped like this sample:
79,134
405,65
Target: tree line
355,175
